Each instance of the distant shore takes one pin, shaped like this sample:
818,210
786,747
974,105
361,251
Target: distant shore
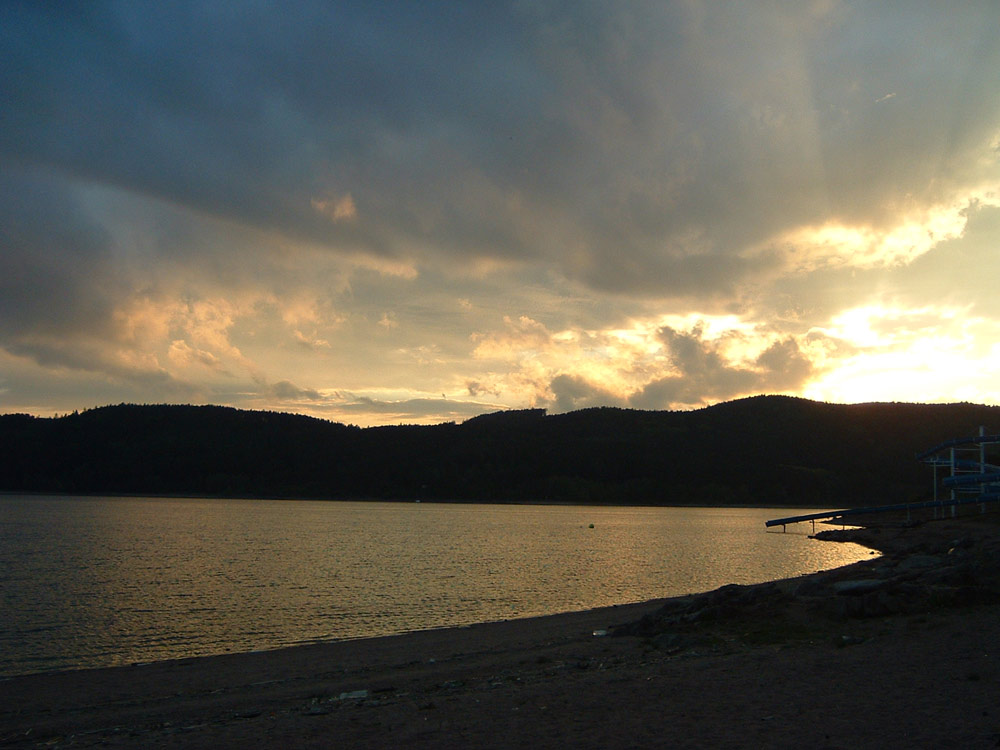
898,651
422,501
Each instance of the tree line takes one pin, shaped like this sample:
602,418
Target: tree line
765,450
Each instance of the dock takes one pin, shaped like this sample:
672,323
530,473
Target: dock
970,480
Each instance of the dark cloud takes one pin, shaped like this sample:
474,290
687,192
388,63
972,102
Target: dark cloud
55,264
476,389
59,286
287,391
705,376
783,367
252,115
60,388
640,147
574,392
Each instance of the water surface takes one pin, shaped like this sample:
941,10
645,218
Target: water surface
105,581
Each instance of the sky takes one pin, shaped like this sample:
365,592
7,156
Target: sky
417,212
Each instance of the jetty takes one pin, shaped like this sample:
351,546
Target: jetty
969,479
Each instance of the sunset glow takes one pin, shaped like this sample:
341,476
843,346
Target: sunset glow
653,206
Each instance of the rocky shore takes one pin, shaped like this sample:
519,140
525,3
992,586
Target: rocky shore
896,651
925,566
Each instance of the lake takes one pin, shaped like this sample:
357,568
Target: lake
107,581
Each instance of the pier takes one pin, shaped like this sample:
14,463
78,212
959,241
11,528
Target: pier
970,480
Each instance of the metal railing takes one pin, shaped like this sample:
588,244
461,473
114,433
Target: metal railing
967,476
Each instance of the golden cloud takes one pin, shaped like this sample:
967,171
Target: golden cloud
336,209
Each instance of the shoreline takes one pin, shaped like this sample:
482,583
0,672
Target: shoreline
415,501
320,644
764,669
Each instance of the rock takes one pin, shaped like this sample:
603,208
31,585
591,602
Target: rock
869,604
670,642
918,562
812,586
861,586
879,604
847,640
761,593
952,575
353,695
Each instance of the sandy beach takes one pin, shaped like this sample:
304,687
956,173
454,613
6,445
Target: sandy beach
898,651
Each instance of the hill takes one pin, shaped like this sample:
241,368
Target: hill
766,450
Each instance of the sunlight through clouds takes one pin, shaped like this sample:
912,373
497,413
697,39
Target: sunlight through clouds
835,244
894,354
876,326
642,364
646,205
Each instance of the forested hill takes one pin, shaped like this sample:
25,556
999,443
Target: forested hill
767,450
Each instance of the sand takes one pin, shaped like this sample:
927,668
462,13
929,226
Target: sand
909,659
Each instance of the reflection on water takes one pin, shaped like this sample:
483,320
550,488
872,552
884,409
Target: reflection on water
101,581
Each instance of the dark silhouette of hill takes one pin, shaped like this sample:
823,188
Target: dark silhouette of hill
766,450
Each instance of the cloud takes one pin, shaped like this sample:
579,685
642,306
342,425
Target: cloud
286,390
573,392
703,374
899,354
336,209
310,343
475,388
784,367
411,411
56,272
519,338
959,271
183,354
641,147
531,203
61,293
